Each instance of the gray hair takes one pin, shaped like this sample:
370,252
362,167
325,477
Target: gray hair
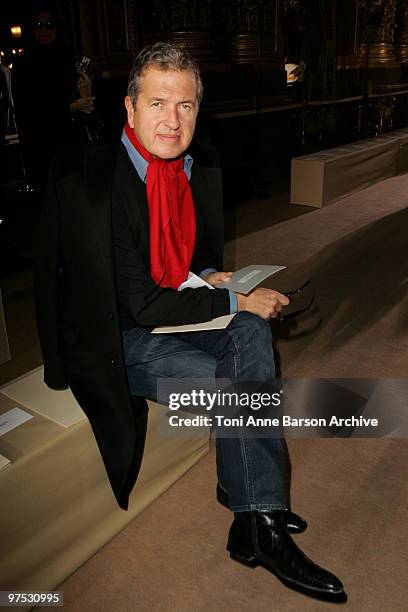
163,56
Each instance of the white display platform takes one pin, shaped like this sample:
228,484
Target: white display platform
59,406
57,507
326,176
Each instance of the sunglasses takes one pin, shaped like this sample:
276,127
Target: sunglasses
292,315
48,25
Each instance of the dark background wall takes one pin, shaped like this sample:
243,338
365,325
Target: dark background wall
354,53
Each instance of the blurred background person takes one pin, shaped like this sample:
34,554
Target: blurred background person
47,93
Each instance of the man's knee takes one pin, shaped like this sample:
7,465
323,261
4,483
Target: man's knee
252,326
253,342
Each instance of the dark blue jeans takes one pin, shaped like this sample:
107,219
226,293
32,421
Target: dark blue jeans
250,470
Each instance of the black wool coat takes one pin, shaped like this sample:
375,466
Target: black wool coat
77,302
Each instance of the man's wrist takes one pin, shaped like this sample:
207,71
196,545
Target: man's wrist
204,273
241,301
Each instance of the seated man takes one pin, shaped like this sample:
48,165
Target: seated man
120,231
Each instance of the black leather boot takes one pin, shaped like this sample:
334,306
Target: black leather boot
261,538
293,522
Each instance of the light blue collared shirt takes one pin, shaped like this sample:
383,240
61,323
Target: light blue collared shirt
140,165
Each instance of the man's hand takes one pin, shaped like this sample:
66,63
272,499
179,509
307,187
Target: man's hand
266,303
214,278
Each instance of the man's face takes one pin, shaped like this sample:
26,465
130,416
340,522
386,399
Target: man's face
165,113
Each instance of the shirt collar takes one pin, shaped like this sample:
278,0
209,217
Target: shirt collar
141,164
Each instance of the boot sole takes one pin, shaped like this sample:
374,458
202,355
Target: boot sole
254,562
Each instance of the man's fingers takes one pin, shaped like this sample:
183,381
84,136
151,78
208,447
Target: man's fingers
225,276
266,303
222,276
282,299
217,277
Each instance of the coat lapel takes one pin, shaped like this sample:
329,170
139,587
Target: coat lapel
206,185
134,191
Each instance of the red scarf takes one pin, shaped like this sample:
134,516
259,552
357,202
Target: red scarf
172,217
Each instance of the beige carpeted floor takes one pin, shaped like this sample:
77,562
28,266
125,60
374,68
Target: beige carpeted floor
353,493
355,253
172,556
